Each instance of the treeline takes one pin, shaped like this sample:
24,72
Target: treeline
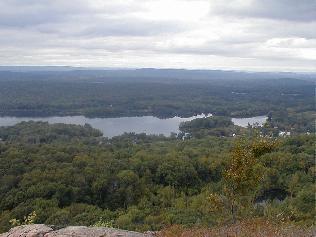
30,94
70,175
218,126
290,121
41,132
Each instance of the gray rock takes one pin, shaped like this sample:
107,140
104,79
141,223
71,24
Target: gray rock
28,231
82,231
71,231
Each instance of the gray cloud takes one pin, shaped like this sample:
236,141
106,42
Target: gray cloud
236,33
28,13
290,10
131,27
77,18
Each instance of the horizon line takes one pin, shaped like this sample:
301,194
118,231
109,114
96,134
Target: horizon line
162,68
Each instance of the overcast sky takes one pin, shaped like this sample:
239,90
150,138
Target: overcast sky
264,35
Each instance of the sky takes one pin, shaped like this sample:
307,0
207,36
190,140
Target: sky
254,35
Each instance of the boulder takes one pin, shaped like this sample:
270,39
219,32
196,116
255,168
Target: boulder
28,231
82,231
70,231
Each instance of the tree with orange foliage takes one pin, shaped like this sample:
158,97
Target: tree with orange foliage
243,174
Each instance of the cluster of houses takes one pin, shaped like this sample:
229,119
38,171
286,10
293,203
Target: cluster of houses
283,134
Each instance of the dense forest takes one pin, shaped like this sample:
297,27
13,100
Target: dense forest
71,175
94,95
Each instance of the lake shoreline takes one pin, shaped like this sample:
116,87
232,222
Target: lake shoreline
111,127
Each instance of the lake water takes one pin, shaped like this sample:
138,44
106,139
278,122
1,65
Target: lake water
117,126
114,126
243,122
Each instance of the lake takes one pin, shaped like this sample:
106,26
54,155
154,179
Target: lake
117,126
243,122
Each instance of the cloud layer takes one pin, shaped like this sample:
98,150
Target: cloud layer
235,34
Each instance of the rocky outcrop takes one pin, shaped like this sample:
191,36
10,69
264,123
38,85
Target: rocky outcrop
71,231
28,231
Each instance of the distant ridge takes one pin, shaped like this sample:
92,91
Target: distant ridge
159,73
